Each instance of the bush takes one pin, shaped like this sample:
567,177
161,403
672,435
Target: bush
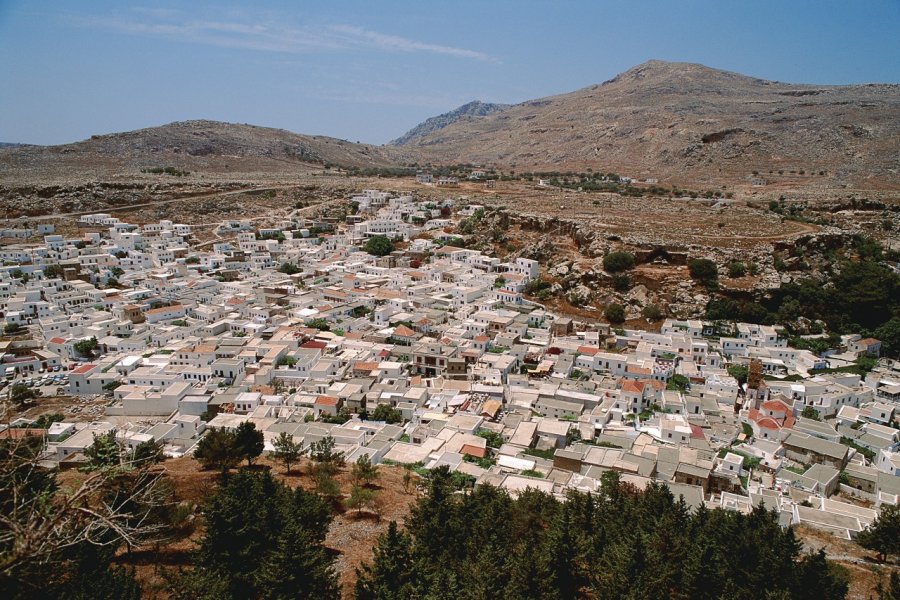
615,313
615,262
386,413
621,282
739,372
86,347
736,269
319,323
379,245
288,268
652,312
703,270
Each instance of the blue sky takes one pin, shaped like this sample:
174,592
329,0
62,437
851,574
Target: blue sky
369,70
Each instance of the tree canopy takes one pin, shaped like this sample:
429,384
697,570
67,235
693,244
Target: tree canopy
264,540
217,450
379,245
386,413
248,441
86,347
619,543
883,535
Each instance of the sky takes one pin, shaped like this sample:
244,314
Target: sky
368,71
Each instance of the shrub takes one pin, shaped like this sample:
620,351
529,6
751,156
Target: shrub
703,270
621,282
615,262
379,245
288,268
737,269
615,313
652,312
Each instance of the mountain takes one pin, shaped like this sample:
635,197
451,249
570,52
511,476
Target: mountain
688,123
204,146
466,111
11,145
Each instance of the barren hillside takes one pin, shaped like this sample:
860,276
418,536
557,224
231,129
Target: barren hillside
685,122
206,146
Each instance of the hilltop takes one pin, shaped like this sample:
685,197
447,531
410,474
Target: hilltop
678,123
464,112
687,122
201,145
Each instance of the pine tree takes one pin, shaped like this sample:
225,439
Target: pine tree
326,459
218,450
624,565
390,574
817,579
528,569
364,472
287,451
148,452
248,441
297,567
561,549
883,535
360,498
257,531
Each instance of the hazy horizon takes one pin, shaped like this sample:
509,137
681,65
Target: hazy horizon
369,73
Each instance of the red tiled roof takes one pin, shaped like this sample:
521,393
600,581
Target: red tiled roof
473,451
632,386
57,340
768,423
327,401
83,369
313,344
404,331
656,385
776,406
590,350
16,433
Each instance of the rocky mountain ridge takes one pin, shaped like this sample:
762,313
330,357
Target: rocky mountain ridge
470,110
681,122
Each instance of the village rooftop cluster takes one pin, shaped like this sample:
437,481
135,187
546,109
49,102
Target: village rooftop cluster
298,329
